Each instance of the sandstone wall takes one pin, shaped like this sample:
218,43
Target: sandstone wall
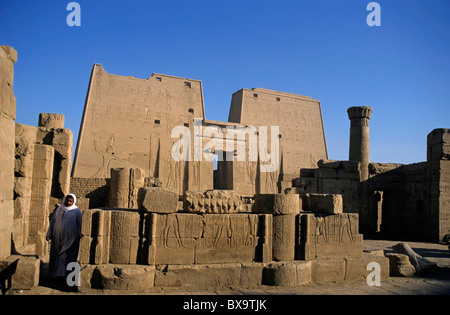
300,124
146,111
8,56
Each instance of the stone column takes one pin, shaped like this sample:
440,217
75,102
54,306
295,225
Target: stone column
40,197
359,138
438,177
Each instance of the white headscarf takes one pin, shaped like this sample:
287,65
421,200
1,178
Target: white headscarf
63,207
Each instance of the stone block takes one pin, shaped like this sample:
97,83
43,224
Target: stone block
307,172
22,186
124,237
439,136
288,274
23,166
213,201
8,56
51,121
251,274
328,173
227,238
276,204
123,277
349,166
356,267
185,238
26,276
7,100
324,203
325,271
345,174
333,164
83,203
400,266
199,276
329,236
86,273
157,200
40,191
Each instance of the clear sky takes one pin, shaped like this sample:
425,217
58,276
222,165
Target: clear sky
321,48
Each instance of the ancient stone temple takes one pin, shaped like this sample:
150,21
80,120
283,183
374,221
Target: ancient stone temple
147,112
158,211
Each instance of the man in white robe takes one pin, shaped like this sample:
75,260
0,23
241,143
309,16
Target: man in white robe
65,233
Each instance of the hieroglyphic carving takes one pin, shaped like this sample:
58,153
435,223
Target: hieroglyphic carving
140,109
329,236
199,239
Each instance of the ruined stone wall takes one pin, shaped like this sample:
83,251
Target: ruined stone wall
403,200
398,203
96,189
276,243
275,230
8,56
331,177
42,178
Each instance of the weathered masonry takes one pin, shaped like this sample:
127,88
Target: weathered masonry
152,221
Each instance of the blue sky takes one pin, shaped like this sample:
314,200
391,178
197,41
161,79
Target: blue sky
322,48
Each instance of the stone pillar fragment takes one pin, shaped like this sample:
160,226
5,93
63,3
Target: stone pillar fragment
283,246
438,173
40,197
8,56
51,121
284,209
119,187
124,187
50,131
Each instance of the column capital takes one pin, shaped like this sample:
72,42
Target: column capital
359,112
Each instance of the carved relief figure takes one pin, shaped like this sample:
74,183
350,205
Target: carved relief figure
171,179
107,156
171,224
251,173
